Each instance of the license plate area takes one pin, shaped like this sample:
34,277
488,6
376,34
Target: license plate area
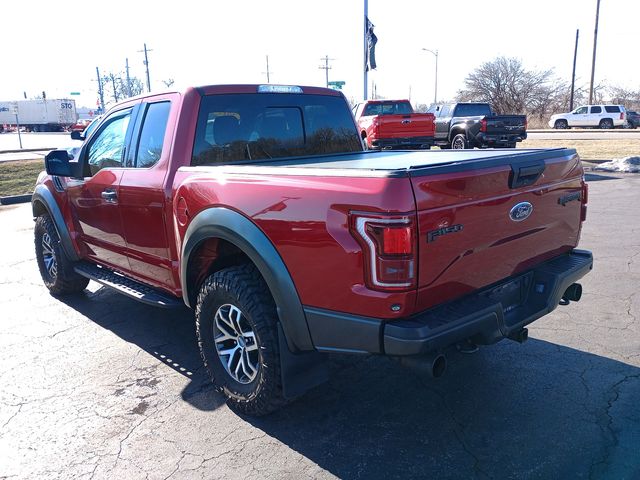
512,294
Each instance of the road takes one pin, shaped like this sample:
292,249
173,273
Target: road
9,141
582,134
99,386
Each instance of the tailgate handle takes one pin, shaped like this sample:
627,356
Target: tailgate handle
521,176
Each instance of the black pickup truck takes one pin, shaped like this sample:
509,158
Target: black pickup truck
469,125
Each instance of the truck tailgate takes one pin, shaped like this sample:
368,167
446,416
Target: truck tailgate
406,126
479,224
505,124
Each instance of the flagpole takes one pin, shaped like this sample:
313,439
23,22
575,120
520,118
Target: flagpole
364,63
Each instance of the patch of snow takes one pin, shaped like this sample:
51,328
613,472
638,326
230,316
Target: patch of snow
626,165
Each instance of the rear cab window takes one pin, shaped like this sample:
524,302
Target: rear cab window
472,110
243,128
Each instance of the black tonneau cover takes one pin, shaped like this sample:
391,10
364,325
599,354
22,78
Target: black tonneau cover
394,163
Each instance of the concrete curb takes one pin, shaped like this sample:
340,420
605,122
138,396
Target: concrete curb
14,199
26,150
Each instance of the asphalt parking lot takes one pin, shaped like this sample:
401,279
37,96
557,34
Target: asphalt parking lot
99,386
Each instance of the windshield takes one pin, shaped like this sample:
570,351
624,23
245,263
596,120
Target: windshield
248,127
91,127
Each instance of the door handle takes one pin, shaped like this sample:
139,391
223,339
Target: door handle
109,196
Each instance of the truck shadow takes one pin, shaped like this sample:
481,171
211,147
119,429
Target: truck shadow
538,410
166,334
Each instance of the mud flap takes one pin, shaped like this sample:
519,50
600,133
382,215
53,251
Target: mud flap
300,371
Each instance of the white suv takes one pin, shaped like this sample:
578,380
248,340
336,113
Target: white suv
591,116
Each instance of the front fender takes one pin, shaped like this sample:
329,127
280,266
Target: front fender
43,198
226,224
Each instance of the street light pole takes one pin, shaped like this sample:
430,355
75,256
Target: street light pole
435,54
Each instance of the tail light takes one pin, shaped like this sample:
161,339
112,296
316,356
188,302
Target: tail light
585,199
526,123
621,115
374,126
389,248
483,125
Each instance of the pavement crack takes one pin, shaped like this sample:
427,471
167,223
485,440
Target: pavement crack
12,416
609,434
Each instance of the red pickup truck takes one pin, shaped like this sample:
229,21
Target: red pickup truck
391,124
257,206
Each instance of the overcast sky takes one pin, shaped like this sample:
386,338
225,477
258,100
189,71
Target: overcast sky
55,46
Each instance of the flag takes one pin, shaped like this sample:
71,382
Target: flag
370,63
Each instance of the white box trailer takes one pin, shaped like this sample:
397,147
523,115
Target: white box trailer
39,115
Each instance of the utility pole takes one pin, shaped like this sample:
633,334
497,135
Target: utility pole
128,78
326,68
573,75
435,93
366,50
593,61
146,64
100,90
267,72
112,77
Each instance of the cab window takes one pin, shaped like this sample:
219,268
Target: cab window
580,111
152,134
107,144
596,109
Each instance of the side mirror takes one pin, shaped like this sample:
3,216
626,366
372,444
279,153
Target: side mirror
76,135
57,163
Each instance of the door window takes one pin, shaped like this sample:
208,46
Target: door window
107,145
580,111
596,109
152,134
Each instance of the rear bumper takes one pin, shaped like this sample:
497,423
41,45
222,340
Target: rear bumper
406,142
479,316
489,140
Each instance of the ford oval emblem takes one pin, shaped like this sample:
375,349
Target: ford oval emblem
520,211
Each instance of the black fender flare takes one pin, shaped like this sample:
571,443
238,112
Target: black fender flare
229,225
42,195
456,128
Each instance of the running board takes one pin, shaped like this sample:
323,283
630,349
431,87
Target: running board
127,286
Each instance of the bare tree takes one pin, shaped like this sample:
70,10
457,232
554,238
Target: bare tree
168,82
510,88
115,86
629,98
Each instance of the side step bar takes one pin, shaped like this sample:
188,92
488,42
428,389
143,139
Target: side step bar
127,286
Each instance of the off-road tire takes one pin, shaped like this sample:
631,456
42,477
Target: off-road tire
64,279
243,287
459,142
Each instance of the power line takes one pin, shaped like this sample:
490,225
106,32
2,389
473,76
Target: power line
326,67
